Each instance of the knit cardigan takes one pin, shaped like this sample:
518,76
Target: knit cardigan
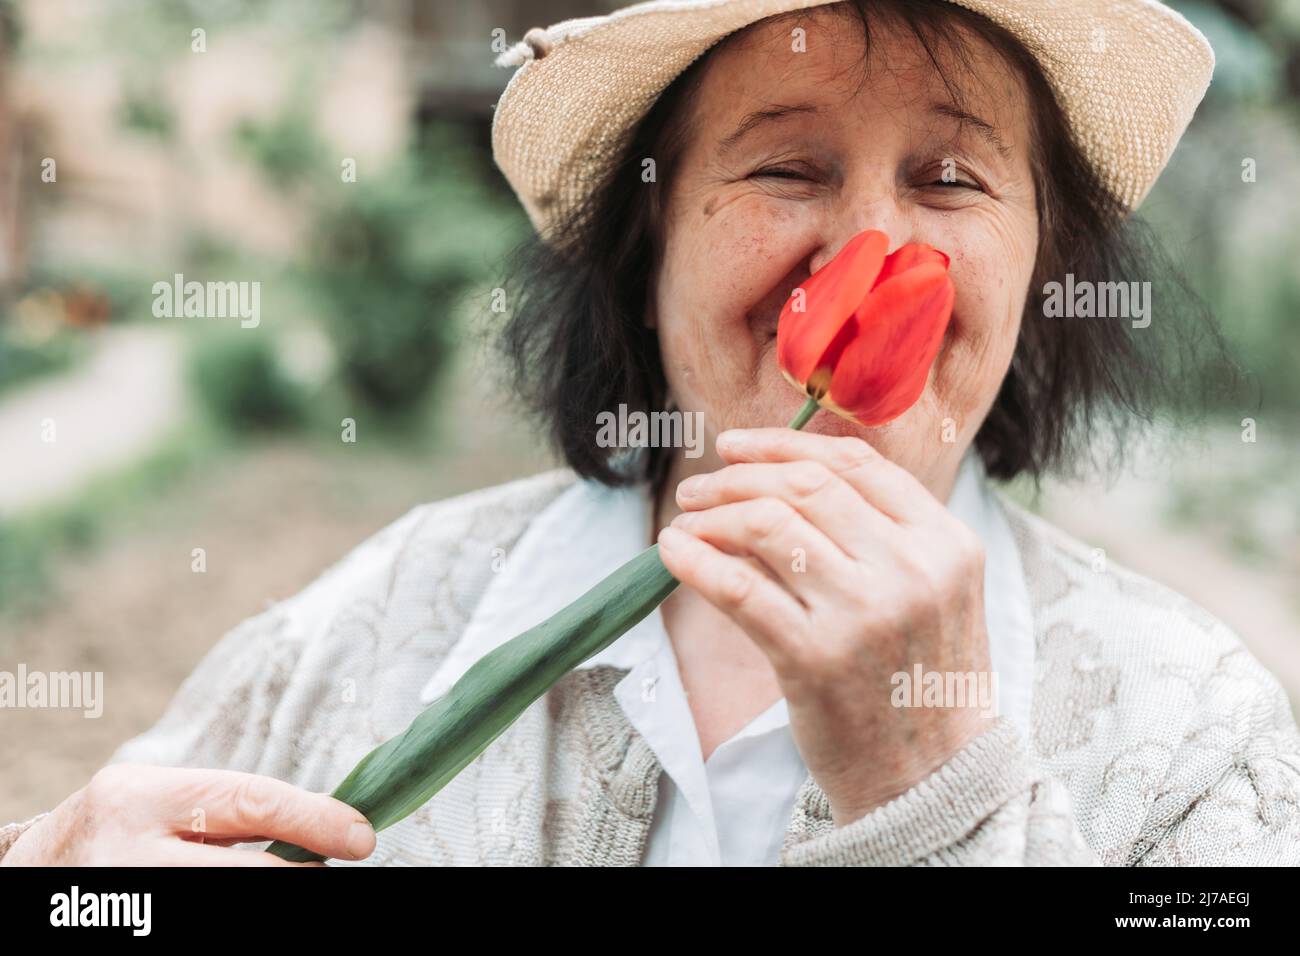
1156,738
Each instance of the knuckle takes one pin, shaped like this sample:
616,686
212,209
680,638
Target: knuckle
945,590
107,803
852,452
768,516
109,784
943,584
735,587
253,803
922,588
934,585
806,478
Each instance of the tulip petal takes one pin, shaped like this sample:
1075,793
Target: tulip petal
831,295
901,325
908,257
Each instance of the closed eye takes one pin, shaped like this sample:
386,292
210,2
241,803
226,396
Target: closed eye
781,172
950,176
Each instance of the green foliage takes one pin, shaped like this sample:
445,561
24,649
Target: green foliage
394,254
1260,311
11,29
394,247
387,285
21,361
23,568
238,379
1245,68
285,148
1229,230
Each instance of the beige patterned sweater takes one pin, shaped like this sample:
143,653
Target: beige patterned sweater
1157,738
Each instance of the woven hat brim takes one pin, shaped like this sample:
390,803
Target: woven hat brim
1128,74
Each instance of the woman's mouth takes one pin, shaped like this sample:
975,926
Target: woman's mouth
764,314
763,323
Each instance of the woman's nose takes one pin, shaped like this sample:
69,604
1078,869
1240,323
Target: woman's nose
882,214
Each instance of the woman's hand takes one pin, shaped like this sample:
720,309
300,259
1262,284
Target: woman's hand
132,815
845,571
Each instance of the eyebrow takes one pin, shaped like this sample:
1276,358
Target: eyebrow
758,118
777,111
986,129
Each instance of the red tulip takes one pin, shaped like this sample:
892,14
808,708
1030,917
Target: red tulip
861,337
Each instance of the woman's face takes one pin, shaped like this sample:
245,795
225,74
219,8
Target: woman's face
791,154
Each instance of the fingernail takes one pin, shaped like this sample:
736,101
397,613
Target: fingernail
686,520
692,486
361,840
670,537
733,439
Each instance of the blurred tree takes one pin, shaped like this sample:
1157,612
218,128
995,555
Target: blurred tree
285,148
238,379
393,250
1277,24
394,255
1228,202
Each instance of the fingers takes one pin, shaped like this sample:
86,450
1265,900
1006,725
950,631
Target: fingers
143,815
184,853
763,609
887,486
825,499
781,538
249,807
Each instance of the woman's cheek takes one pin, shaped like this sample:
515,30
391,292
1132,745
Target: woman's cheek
702,368
725,268
686,302
970,368
677,345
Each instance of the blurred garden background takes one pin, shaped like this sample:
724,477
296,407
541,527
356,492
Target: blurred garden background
337,153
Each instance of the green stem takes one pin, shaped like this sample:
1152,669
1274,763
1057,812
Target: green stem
808,411
402,774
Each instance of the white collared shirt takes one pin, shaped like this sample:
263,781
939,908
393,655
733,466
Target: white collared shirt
733,809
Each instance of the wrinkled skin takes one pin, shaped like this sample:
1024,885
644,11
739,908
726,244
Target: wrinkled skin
892,578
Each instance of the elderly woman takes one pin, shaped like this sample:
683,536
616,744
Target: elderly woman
688,165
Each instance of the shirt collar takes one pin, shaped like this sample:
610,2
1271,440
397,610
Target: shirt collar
590,530
587,532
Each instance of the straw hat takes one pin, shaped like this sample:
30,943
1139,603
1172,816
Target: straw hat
1128,74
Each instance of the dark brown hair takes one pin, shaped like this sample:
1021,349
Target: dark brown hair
576,343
